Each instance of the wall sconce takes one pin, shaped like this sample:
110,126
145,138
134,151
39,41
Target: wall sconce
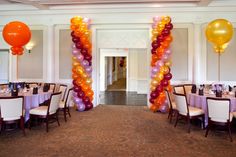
29,46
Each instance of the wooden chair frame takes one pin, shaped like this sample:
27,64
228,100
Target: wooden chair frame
211,122
48,116
21,120
188,117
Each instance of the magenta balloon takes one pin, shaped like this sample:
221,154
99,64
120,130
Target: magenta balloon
88,106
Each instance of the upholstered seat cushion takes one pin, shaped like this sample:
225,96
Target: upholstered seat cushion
193,111
62,104
222,120
41,110
10,118
234,114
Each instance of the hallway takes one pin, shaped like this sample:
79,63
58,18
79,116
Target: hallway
119,85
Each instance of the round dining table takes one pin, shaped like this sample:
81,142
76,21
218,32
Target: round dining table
200,101
31,100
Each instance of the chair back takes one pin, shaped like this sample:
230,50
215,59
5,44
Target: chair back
11,107
179,89
52,87
63,89
32,84
69,97
168,98
181,103
218,109
3,86
54,103
188,88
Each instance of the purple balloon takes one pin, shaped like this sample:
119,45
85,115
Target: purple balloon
88,69
85,63
155,70
77,100
75,52
81,107
154,26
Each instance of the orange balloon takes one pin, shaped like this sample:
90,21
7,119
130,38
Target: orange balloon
16,34
154,108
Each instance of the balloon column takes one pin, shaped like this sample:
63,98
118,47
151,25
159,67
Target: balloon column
82,63
16,34
219,32
160,62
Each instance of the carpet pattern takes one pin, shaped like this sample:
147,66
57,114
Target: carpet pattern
116,131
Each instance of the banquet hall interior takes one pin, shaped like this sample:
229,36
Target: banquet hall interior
118,78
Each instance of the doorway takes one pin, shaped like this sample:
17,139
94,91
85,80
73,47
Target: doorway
4,66
123,77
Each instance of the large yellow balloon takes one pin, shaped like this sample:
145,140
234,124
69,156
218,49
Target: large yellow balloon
219,32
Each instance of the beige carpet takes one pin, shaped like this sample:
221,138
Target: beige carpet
116,131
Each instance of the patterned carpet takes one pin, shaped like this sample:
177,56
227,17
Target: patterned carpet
116,131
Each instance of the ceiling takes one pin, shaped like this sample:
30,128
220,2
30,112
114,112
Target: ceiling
46,4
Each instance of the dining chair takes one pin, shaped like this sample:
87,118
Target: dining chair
12,111
49,112
171,104
65,105
52,87
4,86
179,89
32,84
188,88
219,114
186,111
63,90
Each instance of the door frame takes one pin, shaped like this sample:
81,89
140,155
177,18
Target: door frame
112,53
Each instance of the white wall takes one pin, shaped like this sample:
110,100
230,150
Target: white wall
4,66
115,18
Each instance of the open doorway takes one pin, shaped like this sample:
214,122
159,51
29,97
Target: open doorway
116,74
123,77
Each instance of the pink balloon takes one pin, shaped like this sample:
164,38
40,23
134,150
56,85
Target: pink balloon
73,46
159,64
155,70
157,19
75,52
168,51
165,57
80,57
154,26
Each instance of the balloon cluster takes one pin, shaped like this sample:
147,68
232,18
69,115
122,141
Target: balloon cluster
122,61
219,32
82,63
16,34
161,62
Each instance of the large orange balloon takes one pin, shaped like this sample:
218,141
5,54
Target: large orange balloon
16,34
